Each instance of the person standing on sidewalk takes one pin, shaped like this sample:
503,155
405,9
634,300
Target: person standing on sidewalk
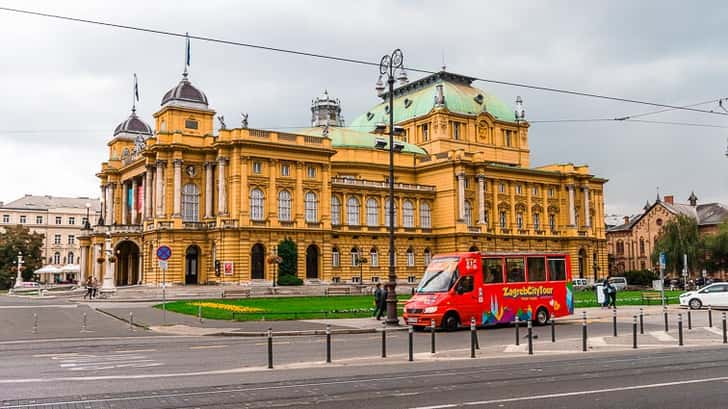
605,292
377,300
89,288
612,292
94,287
382,304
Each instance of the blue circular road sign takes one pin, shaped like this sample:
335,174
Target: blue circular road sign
164,252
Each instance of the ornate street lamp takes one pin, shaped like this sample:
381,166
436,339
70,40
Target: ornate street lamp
19,277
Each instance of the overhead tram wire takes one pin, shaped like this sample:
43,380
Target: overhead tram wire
349,60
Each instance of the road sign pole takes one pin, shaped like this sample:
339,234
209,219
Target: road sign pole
663,261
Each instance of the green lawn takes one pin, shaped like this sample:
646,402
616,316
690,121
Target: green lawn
356,306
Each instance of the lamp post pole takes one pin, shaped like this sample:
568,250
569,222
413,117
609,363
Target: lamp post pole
19,277
87,225
387,66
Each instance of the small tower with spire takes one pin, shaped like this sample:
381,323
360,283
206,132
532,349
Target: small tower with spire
326,111
693,200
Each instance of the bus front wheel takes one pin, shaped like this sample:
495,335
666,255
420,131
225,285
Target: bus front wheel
450,321
542,316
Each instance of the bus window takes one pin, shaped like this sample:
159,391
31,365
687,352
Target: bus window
515,270
465,285
557,269
492,270
536,269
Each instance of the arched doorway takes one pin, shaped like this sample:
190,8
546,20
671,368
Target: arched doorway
127,263
257,262
312,262
192,264
582,262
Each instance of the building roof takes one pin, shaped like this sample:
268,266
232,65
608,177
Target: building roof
45,202
133,126
704,214
352,138
417,99
185,94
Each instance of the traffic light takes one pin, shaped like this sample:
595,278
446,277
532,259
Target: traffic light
217,268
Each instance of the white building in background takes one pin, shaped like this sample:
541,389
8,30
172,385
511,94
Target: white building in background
59,219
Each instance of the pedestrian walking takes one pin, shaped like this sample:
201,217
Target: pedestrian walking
612,295
94,287
377,299
605,291
382,310
89,288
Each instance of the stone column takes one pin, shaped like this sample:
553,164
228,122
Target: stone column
272,191
159,188
587,215
177,188
461,196
110,204
481,199
221,193
96,255
108,285
124,204
299,199
325,200
83,265
244,193
104,205
148,192
134,200
572,210
141,267
208,189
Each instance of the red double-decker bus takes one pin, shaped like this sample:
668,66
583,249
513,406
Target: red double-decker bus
492,288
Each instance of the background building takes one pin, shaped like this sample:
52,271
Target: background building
631,244
59,219
463,182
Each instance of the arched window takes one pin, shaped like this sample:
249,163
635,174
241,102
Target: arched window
410,257
190,203
70,258
372,212
335,257
335,211
642,246
352,211
257,203
468,213
373,257
428,257
284,206
408,214
57,258
502,220
311,206
386,212
355,257
425,215
519,220
536,221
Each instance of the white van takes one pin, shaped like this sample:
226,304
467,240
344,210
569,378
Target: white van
620,283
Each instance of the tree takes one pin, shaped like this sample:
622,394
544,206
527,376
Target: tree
289,258
19,239
679,236
716,249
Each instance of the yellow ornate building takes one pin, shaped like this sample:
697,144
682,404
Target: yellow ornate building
463,182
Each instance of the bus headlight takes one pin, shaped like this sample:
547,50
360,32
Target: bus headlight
430,310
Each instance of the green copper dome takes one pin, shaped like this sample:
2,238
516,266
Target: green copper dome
354,138
417,99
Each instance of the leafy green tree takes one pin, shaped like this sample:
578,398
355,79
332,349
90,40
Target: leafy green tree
679,236
16,239
716,249
289,258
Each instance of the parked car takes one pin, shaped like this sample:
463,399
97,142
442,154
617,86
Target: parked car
714,295
580,283
620,283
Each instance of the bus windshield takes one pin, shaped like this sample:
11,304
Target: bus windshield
440,275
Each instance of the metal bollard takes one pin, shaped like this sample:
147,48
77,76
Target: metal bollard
384,342
472,337
725,335
710,316
530,337
690,319
518,340
679,330
432,336
35,323
131,321
270,348
411,343
328,344
477,341
583,331
553,330
664,311
199,313
83,322
634,332
614,322
642,321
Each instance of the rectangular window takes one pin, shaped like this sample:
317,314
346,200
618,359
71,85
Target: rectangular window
557,269
374,259
515,273
285,170
6,218
71,220
536,269
257,167
552,222
23,220
551,192
456,130
311,172
58,220
467,182
71,239
501,188
425,133
57,239
410,259
503,220
534,191
519,220
493,270
536,221
519,189
191,124
38,219
507,136
335,259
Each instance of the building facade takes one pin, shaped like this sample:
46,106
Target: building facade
59,219
631,243
462,182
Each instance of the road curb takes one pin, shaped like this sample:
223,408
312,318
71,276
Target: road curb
112,315
304,332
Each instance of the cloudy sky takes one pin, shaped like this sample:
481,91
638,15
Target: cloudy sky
65,86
